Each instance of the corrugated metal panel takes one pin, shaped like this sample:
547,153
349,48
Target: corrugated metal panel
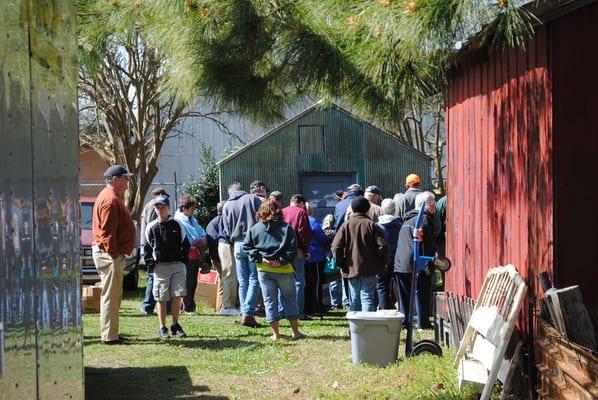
500,177
311,139
351,146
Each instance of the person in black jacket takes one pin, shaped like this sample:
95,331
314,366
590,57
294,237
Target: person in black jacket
166,248
403,261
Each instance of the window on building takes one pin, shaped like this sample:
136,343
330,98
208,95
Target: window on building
311,139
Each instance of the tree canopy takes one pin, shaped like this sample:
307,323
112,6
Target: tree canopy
381,57
378,55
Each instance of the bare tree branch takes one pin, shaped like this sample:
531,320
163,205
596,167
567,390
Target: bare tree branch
125,117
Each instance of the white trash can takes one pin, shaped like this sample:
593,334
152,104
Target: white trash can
375,336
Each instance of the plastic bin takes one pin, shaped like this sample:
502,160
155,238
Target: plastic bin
375,336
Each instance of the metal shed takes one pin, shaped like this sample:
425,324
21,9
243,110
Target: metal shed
322,150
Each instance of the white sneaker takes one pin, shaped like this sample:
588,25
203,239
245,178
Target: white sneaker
230,312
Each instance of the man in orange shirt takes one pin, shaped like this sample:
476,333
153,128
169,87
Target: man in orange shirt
113,238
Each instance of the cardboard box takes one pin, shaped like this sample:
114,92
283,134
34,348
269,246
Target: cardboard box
90,305
90,299
207,285
92,291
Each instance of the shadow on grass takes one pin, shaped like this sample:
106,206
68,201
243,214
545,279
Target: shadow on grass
344,338
166,382
202,342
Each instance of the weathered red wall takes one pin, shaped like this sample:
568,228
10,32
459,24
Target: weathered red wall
500,206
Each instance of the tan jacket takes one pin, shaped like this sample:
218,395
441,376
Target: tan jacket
113,229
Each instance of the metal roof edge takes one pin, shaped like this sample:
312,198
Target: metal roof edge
269,133
307,111
381,130
545,11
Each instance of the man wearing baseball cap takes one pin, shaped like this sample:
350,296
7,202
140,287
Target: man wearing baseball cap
372,194
340,210
259,189
113,238
148,215
167,248
406,202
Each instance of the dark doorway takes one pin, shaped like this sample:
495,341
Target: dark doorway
319,190
575,130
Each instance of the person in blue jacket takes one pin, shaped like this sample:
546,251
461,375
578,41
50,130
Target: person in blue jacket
314,269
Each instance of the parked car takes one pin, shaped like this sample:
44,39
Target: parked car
88,269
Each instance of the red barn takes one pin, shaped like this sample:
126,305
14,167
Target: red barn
523,153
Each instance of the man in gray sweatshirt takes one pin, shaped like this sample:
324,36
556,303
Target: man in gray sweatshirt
238,216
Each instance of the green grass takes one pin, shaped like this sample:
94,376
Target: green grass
223,360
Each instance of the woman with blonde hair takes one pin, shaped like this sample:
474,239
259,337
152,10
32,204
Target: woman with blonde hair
272,245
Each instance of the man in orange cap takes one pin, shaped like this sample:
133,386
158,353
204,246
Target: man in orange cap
406,202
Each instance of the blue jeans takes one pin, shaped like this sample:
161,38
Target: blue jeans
362,291
149,302
299,264
249,289
383,289
272,285
336,293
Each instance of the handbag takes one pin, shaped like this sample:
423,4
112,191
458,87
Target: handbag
332,271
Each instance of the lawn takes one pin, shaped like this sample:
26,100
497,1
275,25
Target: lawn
224,360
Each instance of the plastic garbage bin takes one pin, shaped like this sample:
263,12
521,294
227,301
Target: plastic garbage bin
375,336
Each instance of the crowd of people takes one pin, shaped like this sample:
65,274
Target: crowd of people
271,260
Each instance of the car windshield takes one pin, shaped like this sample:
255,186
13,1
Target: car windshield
86,215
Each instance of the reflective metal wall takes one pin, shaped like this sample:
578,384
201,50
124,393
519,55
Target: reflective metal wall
40,314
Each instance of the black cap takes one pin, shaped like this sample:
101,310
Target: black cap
360,205
116,170
373,189
163,200
354,187
256,184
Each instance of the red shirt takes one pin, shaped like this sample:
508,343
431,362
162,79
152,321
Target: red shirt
113,229
299,221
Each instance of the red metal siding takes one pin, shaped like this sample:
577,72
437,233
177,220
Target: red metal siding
500,176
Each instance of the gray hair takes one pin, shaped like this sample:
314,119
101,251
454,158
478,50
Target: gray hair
233,187
328,222
421,198
387,207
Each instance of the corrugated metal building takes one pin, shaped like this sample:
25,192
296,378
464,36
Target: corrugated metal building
523,144
322,150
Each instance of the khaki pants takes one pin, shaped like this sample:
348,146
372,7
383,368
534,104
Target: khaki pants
219,289
111,275
228,276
